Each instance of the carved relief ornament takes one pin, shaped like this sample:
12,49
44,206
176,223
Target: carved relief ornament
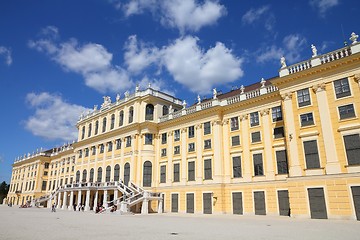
286,96
319,87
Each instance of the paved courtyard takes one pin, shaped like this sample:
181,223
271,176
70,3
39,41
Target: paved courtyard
37,223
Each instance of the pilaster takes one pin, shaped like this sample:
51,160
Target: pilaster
245,139
267,133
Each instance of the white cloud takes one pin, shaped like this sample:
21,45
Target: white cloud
292,46
323,5
181,14
138,56
53,118
200,70
157,84
254,14
189,64
6,52
91,60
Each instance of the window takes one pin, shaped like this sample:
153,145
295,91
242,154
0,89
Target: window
102,148
207,128
177,135
346,111
104,125
352,147
163,174
126,173
121,118
149,112
43,186
147,174
311,154
254,119
342,88
234,123
191,171
73,168
89,130
77,176
110,146
45,173
255,137
83,132
131,114
112,124
99,175
80,156
306,119
191,132
165,110
258,164
281,160
163,152
176,172
236,167
276,114
96,127
84,175
93,150
207,169
47,165
191,147
177,150
108,174
279,132
163,138
207,144
86,152
118,143
91,179
303,97
148,139
128,141
235,140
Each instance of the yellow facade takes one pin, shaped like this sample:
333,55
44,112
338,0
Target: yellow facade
276,147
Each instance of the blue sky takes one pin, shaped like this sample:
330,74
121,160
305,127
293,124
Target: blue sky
58,58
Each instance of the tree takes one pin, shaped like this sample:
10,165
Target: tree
4,188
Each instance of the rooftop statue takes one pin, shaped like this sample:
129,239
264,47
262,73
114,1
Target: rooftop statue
314,50
283,62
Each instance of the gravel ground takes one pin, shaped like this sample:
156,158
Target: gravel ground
38,223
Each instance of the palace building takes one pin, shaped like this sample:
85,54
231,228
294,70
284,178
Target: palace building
287,146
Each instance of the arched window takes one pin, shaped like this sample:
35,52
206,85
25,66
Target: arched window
149,112
104,125
121,118
131,114
83,132
99,175
165,110
91,179
96,127
116,172
147,174
127,173
112,121
108,172
84,175
89,130
78,176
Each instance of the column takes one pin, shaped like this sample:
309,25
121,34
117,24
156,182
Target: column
169,154
71,200
226,154
160,204
87,201
217,147
145,204
79,198
199,150
183,150
58,200
64,201
267,133
115,196
105,199
291,136
245,139
96,200
332,161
